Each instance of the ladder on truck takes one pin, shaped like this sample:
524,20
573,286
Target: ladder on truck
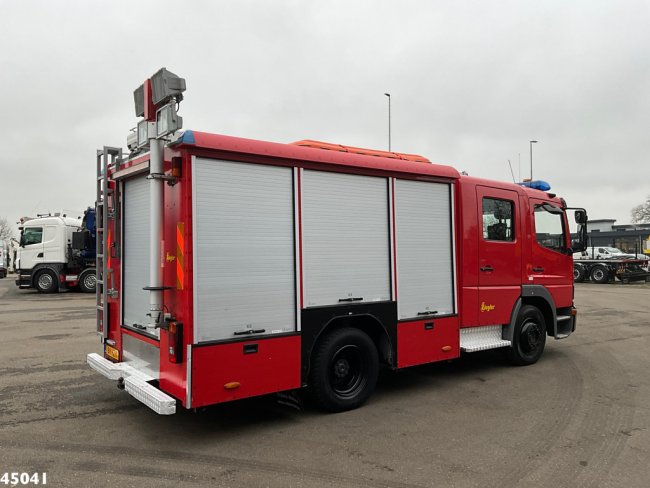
106,157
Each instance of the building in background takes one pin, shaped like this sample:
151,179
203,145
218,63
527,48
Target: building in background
630,238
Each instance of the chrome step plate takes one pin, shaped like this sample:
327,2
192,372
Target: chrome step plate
473,339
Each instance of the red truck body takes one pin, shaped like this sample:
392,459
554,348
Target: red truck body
478,251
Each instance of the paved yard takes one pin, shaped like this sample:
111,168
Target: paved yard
580,417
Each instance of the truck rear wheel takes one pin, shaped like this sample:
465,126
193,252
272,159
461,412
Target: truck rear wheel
579,273
599,274
344,370
529,337
87,281
45,281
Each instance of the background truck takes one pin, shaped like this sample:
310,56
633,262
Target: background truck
57,252
4,259
230,268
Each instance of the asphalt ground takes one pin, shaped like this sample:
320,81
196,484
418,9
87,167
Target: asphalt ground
578,418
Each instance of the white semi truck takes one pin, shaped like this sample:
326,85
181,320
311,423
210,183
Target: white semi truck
57,253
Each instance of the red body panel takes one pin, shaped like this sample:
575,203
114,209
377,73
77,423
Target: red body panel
426,341
113,263
274,367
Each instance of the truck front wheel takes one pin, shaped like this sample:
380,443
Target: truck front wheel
529,337
344,370
87,281
45,281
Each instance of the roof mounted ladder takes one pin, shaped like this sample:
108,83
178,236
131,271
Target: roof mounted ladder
106,157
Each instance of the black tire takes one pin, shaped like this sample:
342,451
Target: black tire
344,370
599,274
579,273
87,281
529,337
46,281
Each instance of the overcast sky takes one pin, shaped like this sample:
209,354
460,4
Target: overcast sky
471,83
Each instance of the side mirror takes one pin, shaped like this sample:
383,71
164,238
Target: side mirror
581,216
577,228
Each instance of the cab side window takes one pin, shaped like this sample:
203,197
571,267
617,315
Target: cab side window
498,222
549,229
32,235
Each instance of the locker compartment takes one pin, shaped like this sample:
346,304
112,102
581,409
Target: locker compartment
230,371
346,248
425,341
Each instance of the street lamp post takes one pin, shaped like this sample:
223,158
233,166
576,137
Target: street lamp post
389,146
531,159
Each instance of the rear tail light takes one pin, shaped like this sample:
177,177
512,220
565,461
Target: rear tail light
175,339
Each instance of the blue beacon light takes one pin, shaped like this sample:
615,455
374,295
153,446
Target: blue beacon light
536,185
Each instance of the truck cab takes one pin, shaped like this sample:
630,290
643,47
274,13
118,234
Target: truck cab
517,251
43,251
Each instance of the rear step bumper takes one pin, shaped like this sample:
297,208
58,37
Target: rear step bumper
135,383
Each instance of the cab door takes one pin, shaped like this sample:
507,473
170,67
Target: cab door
551,262
499,254
31,242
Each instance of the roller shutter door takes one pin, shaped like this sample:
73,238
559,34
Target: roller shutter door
244,249
424,248
345,238
135,259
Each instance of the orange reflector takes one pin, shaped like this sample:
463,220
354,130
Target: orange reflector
233,385
180,257
574,312
172,327
446,348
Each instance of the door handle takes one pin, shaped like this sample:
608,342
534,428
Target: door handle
538,269
249,331
487,268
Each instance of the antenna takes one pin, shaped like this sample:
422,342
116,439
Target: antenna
511,172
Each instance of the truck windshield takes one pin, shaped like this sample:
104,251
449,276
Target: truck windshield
31,235
549,229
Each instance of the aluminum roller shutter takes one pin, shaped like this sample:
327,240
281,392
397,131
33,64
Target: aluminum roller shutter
244,249
425,280
135,259
345,238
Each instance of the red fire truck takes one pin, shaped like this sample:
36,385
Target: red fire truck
230,268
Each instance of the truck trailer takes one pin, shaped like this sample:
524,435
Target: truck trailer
231,268
606,269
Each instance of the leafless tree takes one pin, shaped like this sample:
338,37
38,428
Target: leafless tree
641,213
6,230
